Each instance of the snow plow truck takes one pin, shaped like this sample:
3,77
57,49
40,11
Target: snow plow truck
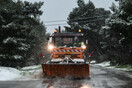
67,55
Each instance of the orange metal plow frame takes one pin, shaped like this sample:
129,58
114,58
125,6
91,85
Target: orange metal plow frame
62,70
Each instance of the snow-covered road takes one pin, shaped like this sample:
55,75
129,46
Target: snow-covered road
100,78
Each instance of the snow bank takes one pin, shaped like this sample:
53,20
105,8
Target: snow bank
31,67
104,64
26,73
93,62
31,73
7,73
107,65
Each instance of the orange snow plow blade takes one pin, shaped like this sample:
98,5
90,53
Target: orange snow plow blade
62,70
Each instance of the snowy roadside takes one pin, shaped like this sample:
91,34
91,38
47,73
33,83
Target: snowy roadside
35,72
26,73
107,65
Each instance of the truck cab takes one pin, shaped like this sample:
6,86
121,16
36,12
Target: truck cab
68,45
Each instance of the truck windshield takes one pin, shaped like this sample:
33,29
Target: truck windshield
68,41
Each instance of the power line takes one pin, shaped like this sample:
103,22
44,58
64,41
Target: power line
87,21
54,21
56,24
75,19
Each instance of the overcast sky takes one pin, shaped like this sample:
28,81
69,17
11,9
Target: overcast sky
54,10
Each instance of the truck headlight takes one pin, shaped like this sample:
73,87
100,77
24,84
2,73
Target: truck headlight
84,47
50,47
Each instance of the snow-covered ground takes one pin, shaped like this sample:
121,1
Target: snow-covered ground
26,73
7,73
93,62
104,64
107,65
35,72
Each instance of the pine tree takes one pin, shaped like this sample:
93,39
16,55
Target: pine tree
18,20
81,3
117,34
90,20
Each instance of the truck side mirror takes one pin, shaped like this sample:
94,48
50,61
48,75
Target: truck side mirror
47,38
86,41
